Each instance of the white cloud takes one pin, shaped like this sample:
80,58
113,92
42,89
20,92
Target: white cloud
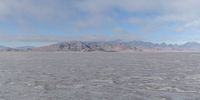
155,14
40,9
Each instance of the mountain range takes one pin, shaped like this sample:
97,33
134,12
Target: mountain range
109,46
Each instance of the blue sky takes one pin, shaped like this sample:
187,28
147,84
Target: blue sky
43,22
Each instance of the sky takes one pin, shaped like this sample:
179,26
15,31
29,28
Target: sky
43,22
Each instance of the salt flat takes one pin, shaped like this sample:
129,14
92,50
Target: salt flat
99,76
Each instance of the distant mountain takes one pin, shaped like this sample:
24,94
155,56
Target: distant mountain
4,48
118,45
25,48
191,45
109,46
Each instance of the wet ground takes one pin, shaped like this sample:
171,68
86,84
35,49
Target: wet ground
99,76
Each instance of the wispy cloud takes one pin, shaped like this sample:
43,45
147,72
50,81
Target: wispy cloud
149,15
98,10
